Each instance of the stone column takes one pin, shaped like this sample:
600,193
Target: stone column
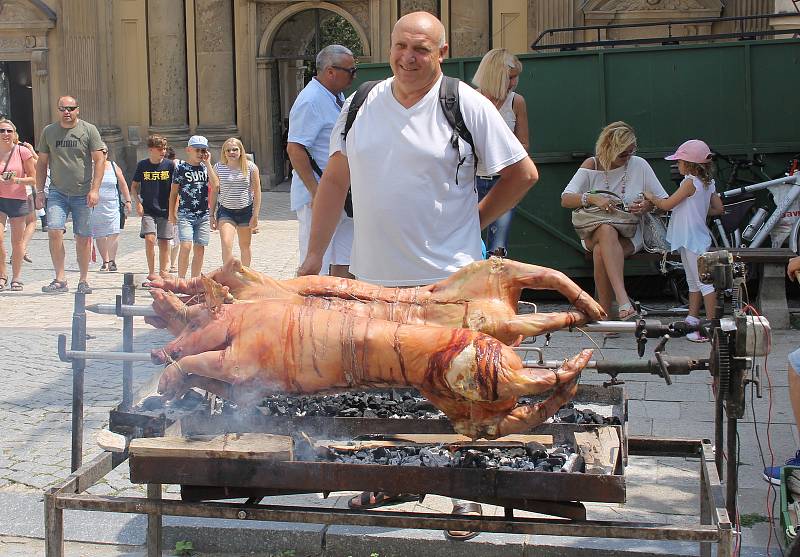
216,76
166,49
263,124
89,75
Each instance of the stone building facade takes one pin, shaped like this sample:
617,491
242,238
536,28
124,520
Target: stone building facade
225,68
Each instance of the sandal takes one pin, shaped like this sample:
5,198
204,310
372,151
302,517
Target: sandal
3,283
374,499
16,286
27,258
627,312
465,508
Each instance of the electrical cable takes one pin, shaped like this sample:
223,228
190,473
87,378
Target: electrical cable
771,491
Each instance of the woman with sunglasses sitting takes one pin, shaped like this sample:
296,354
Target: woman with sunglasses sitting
615,169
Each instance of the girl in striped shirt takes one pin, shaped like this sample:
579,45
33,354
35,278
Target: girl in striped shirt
239,199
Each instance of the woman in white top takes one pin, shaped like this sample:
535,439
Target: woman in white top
614,169
105,219
239,199
496,78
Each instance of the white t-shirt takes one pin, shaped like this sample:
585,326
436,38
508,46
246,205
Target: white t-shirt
310,122
415,207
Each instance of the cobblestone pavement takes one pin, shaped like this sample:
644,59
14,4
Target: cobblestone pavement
35,402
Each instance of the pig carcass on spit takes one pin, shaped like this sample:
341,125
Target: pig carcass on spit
245,351
482,296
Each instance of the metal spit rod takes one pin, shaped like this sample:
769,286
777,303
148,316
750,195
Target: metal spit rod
122,311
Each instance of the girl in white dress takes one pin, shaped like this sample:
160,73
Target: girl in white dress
694,200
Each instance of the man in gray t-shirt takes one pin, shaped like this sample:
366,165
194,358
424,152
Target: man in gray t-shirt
72,149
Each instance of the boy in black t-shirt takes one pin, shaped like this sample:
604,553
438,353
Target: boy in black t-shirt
153,178
194,186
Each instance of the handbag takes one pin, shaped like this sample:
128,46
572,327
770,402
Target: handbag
654,234
585,220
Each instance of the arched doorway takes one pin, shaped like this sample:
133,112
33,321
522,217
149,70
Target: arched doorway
287,54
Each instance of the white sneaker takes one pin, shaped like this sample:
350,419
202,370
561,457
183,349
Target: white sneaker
696,337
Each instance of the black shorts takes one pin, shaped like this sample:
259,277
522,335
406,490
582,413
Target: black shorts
239,217
14,208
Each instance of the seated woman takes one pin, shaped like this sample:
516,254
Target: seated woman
614,168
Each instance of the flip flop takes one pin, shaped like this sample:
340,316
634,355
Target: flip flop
3,283
466,508
629,311
374,499
16,286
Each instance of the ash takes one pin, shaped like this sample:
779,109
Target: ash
395,404
488,458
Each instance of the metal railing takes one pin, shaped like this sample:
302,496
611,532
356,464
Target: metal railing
741,33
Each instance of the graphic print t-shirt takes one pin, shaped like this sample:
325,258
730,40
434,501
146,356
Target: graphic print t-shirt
155,179
192,188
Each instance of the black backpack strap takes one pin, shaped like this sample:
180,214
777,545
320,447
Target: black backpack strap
451,106
358,99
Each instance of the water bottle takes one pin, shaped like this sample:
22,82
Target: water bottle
754,224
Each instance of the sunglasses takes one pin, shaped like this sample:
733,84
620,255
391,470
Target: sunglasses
4,130
67,108
626,154
352,71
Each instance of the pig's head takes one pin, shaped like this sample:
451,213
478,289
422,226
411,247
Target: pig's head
206,330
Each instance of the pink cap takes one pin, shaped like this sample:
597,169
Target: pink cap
693,150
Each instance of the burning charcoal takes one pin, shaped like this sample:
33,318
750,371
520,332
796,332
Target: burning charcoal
543,467
369,413
567,415
413,461
349,412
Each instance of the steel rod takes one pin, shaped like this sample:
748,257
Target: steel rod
77,355
78,368
127,299
124,311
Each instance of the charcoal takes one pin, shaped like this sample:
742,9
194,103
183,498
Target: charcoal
567,415
350,413
153,402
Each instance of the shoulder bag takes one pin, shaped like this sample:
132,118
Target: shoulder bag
587,219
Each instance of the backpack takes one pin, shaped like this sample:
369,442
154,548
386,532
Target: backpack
448,99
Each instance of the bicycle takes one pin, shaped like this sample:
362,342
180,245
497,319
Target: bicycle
740,206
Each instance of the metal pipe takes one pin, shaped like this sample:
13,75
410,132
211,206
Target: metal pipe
127,299
122,311
78,368
79,355
732,485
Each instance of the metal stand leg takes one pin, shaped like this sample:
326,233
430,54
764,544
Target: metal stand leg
732,481
78,367
705,509
53,527
128,298
153,523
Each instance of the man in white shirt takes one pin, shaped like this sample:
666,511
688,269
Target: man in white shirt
416,213
415,207
311,120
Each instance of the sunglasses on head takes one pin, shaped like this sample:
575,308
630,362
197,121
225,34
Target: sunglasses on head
67,108
352,71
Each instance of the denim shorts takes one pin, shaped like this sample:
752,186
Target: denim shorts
193,228
60,205
239,217
794,360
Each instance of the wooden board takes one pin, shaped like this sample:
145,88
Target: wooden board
245,446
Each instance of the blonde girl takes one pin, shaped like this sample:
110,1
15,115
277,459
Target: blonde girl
239,199
692,202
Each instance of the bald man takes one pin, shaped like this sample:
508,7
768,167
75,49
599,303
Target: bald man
415,208
73,152
416,214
